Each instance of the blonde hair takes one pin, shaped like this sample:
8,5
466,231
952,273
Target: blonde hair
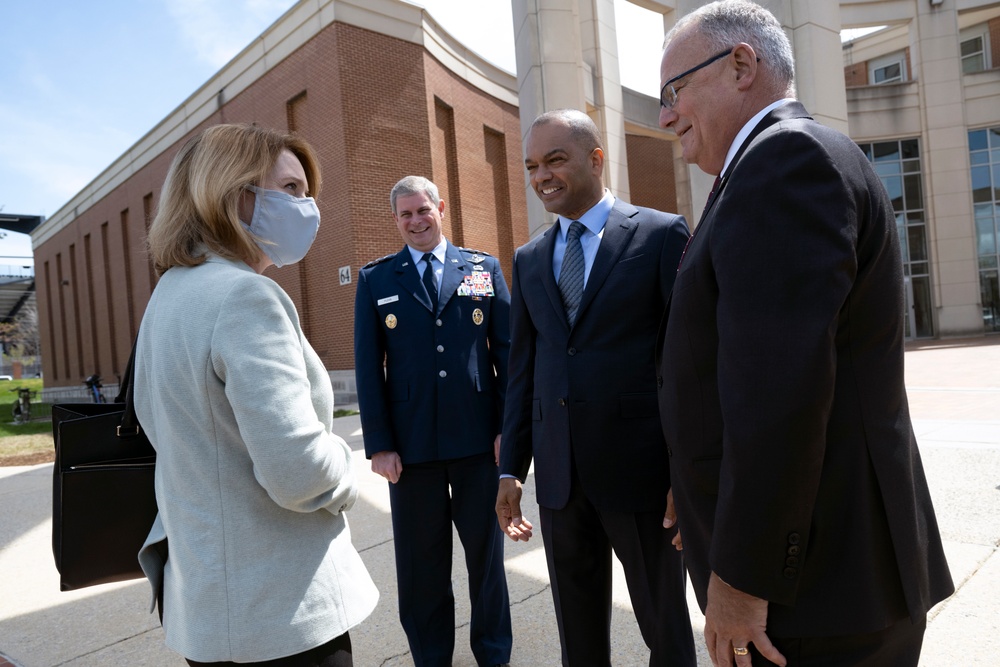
199,203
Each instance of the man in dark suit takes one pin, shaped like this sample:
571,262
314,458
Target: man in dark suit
431,338
587,298
796,476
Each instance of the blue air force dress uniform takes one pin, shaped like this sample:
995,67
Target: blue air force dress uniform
431,382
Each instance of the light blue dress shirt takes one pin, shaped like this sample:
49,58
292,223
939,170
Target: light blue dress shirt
439,255
594,221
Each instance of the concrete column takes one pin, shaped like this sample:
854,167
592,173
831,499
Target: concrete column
600,54
567,57
549,73
814,31
945,158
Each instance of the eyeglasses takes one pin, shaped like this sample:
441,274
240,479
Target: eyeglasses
668,94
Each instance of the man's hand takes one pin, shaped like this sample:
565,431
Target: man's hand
388,465
496,450
734,619
508,508
670,519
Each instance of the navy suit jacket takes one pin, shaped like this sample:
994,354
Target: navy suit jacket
588,394
430,384
796,474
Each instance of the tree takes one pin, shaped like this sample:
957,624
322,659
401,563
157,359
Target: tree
20,337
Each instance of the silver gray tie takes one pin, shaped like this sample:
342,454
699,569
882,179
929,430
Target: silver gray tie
571,274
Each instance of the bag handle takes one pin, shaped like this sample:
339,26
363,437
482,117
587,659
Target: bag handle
129,427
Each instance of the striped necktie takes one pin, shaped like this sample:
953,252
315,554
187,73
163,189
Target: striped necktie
571,273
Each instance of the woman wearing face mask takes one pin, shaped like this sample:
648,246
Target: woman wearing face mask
250,557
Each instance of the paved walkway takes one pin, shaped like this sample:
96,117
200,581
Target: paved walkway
954,390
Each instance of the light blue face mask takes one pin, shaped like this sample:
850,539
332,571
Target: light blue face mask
284,226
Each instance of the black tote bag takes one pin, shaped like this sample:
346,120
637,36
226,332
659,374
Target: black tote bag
103,503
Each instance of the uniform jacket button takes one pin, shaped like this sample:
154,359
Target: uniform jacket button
571,351
790,572
439,323
440,348
561,401
443,373
793,538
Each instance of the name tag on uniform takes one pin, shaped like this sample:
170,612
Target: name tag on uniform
388,299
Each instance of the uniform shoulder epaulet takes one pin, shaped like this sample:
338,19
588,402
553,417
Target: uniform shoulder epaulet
375,262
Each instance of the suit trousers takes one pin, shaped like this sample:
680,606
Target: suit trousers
898,645
422,514
578,541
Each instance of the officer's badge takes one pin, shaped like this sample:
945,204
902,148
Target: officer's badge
390,320
477,316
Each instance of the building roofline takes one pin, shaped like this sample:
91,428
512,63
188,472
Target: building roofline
306,19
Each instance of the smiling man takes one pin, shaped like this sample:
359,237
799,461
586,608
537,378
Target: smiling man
587,298
431,337
809,532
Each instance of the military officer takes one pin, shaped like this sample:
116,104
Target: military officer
431,338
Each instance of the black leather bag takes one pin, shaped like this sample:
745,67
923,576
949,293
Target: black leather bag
103,503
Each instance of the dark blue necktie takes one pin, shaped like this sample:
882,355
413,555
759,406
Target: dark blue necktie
430,280
571,273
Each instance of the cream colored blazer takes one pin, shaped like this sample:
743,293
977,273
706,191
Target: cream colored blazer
251,483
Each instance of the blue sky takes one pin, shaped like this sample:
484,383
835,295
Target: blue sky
81,82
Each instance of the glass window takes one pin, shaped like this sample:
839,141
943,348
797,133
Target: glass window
985,236
888,74
922,306
917,243
995,137
981,184
989,291
974,48
888,168
977,140
897,164
886,150
984,158
911,187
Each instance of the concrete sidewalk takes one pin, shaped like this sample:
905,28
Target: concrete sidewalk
954,390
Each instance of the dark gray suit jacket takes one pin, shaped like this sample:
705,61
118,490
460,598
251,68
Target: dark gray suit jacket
795,470
590,393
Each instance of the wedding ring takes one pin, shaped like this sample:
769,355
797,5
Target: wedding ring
738,650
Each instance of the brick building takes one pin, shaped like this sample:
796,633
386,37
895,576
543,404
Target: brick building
381,92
